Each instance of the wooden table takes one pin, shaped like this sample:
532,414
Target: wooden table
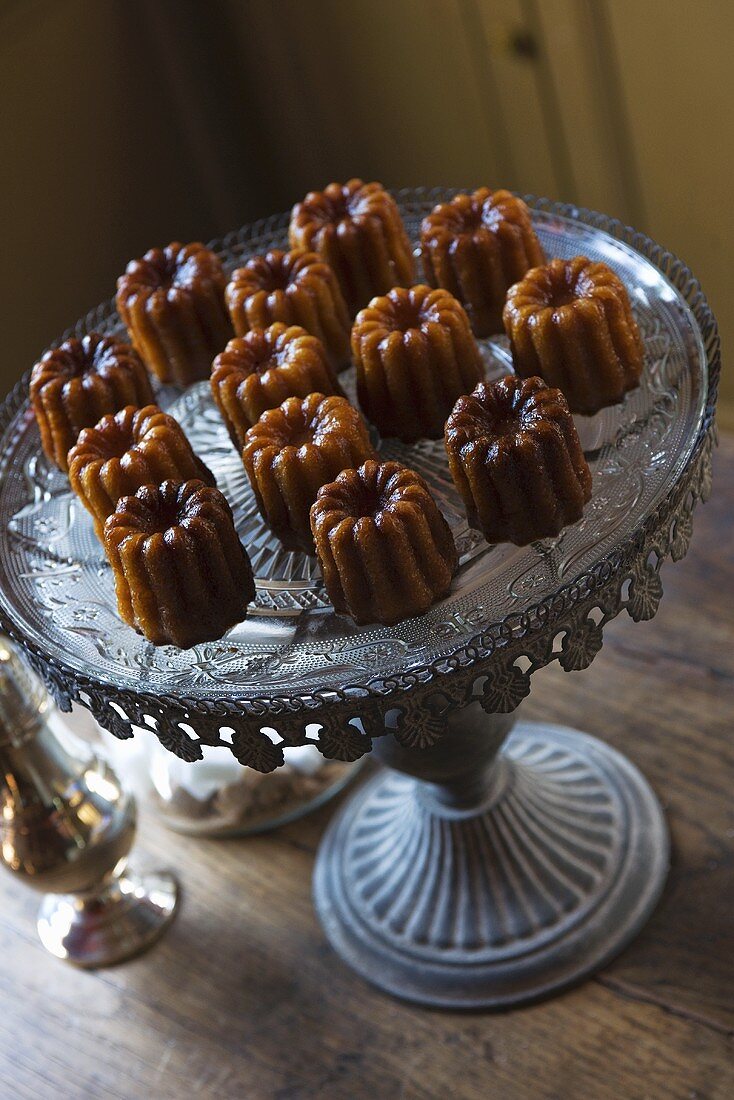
244,999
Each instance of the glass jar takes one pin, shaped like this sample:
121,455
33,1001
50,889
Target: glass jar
217,796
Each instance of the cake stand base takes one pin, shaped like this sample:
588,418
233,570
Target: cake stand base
111,925
550,871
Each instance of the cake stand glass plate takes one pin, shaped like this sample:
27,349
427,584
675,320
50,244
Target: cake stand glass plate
57,587
540,852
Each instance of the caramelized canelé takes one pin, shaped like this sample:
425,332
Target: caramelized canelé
385,550
571,322
172,302
415,354
75,385
295,449
181,574
259,370
295,288
516,460
357,230
121,453
477,246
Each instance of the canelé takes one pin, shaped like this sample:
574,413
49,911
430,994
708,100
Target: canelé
296,288
477,246
571,322
121,453
295,449
181,573
172,303
415,354
259,370
76,384
357,230
516,460
385,550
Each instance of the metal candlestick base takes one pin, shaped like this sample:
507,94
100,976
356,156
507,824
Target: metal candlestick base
67,826
121,920
500,885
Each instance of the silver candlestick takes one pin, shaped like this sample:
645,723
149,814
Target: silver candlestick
66,827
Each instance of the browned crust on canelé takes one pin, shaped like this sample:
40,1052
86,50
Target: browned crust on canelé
181,574
296,288
516,460
571,322
415,354
172,303
259,370
76,384
357,230
121,453
385,550
478,245
295,449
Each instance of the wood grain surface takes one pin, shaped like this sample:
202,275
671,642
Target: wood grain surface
244,999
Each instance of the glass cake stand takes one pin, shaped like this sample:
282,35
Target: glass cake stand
482,867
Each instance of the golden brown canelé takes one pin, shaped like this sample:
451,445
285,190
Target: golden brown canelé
295,449
121,453
297,288
181,574
571,322
385,550
415,354
477,246
172,302
259,370
357,230
75,385
516,460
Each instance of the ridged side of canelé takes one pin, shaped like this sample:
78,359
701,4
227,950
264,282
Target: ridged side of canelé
295,449
172,303
477,246
76,384
571,322
415,354
357,230
135,447
516,460
181,573
385,550
295,288
259,370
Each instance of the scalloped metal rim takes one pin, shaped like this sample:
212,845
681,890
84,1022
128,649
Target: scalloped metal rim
547,613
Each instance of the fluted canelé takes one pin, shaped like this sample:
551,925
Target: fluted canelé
172,302
295,449
571,322
135,447
477,246
259,370
516,460
385,550
357,230
296,288
76,384
415,354
181,574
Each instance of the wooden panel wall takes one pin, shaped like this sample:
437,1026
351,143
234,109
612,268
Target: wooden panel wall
128,124
676,77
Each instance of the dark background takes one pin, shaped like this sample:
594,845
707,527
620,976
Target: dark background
129,123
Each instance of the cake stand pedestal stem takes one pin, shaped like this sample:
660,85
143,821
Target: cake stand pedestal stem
492,868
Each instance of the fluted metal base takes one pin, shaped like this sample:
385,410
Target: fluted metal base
503,902
120,921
